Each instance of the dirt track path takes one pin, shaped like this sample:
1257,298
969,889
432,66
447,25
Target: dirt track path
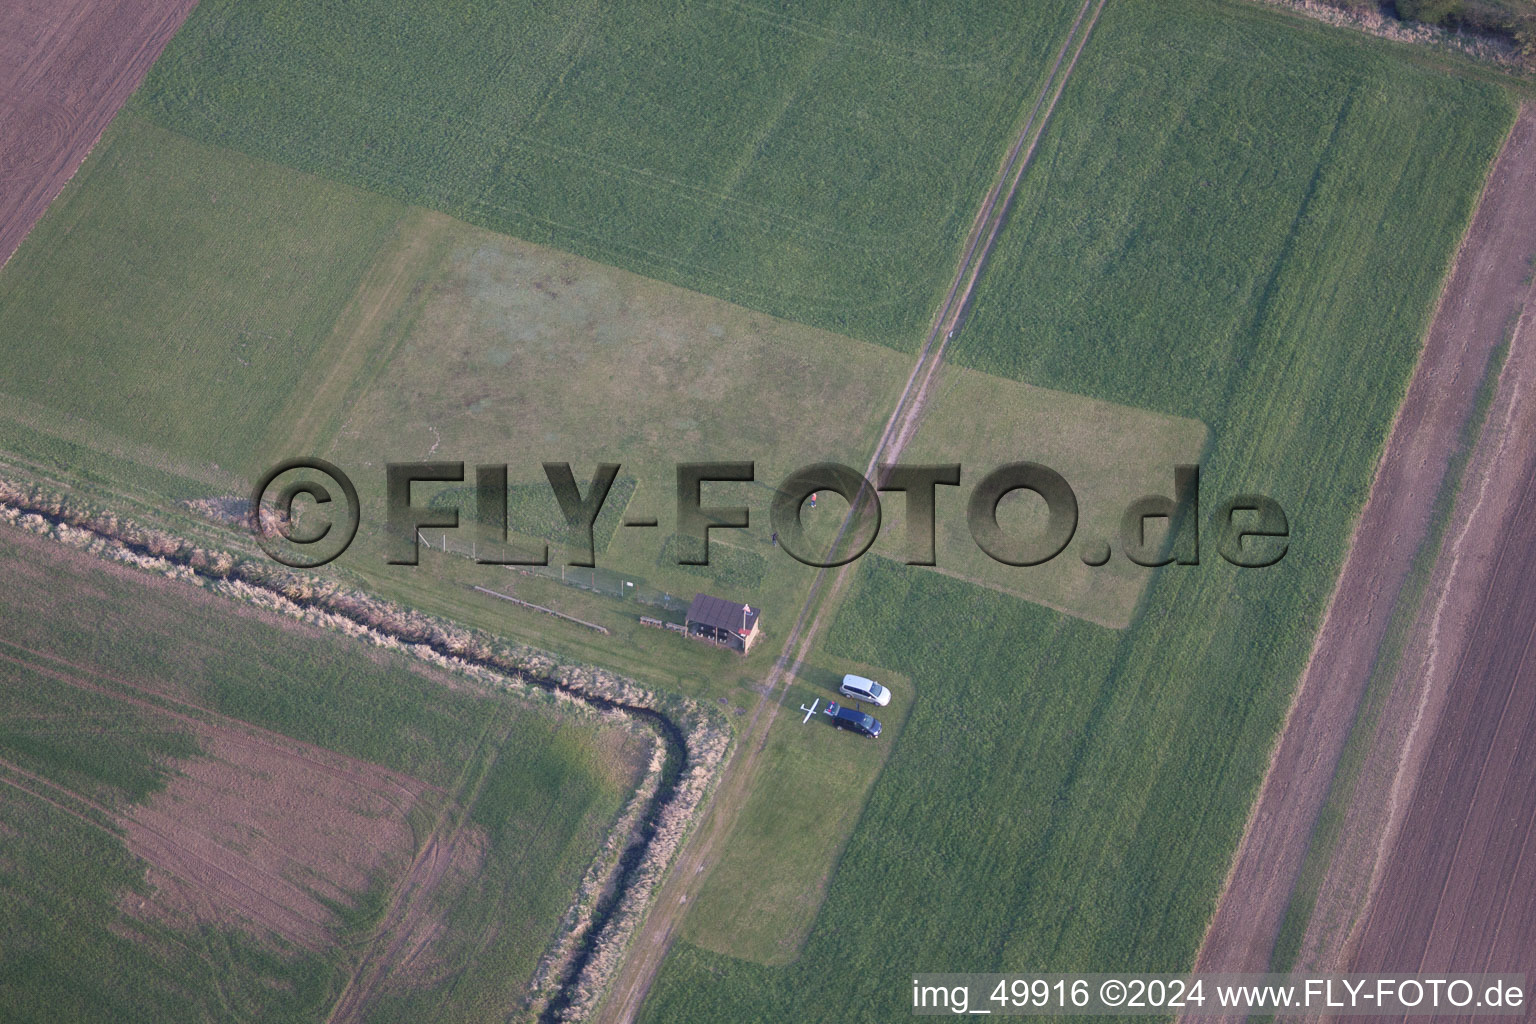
1482,297
689,870
1454,893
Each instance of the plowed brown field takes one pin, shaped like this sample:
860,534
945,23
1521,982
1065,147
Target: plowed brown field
66,66
1485,293
1456,894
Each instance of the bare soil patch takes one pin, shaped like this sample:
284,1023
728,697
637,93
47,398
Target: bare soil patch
1483,296
66,66
260,831
267,839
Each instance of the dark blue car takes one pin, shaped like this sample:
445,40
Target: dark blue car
858,721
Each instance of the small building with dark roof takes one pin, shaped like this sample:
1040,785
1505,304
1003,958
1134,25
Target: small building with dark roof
733,624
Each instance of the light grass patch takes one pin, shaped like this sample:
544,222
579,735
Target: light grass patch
514,353
522,354
1110,454
527,354
762,895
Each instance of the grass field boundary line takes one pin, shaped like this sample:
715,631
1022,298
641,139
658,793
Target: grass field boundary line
727,289
1423,600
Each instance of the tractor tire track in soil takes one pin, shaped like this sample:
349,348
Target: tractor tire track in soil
167,849
406,927
688,872
1483,297
66,66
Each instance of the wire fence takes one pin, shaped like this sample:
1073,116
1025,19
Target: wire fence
609,583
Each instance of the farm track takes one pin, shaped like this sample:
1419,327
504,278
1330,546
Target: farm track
689,869
1445,763
66,66
1483,297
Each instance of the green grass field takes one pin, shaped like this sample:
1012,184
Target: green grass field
1224,223
409,335
457,342
112,680
816,164
200,329
1227,247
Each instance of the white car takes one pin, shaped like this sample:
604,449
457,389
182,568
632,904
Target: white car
863,689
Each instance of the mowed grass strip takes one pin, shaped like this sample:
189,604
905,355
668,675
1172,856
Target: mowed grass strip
815,163
1109,454
517,353
1224,223
763,894
79,922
